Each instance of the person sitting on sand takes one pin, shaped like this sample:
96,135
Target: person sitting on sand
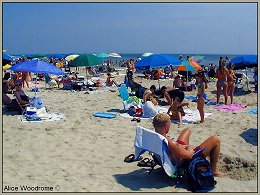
176,111
110,82
149,94
20,95
170,93
181,150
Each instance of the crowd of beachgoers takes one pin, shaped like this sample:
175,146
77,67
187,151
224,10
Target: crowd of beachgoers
80,151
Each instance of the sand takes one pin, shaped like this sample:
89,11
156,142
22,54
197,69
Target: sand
83,153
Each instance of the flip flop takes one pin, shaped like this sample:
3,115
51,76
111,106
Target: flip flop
131,158
146,162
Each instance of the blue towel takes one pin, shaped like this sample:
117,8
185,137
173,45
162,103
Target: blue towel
252,111
190,97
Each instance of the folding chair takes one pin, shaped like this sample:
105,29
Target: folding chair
157,146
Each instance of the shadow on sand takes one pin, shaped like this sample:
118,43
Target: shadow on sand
250,136
140,179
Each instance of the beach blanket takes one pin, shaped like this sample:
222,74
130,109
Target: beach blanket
252,111
190,97
41,115
191,116
56,116
230,107
126,115
101,90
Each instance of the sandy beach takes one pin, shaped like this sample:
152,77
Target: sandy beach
83,153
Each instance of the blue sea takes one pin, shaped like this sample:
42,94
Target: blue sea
209,58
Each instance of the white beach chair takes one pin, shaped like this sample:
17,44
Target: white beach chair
157,145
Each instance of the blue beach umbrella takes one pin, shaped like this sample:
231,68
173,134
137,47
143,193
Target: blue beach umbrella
6,57
157,60
37,66
244,61
58,56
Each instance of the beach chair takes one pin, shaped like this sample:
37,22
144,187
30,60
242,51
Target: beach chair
123,92
157,146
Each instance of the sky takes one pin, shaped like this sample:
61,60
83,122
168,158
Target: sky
175,28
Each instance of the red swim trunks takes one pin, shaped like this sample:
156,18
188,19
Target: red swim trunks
182,143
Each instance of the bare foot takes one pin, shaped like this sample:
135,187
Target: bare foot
179,125
219,174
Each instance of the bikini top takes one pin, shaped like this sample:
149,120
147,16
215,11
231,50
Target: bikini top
199,85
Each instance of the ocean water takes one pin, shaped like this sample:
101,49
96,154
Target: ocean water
209,58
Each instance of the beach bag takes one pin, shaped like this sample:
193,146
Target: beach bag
149,109
132,101
199,174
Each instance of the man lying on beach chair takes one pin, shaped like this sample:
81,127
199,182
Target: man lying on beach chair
173,154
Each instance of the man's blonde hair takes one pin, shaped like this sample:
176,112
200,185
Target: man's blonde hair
160,120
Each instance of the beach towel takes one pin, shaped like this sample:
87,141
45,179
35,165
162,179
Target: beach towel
230,107
194,98
190,97
252,111
191,116
147,140
211,103
41,115
56,116
101,90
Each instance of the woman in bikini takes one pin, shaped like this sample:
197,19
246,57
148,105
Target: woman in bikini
109,81
202,85
221,75
231,82
176,111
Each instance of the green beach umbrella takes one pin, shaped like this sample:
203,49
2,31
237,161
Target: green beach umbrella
86,60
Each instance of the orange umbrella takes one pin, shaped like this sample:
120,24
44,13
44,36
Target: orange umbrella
189,66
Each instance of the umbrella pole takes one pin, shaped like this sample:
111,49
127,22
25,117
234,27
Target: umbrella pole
247,80
159,84
35,86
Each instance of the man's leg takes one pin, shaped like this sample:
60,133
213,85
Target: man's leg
185,136
212,149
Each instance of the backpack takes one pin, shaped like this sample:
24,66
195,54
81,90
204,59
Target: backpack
199,174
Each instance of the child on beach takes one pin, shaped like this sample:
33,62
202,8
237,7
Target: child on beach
181,150
202,85
176,111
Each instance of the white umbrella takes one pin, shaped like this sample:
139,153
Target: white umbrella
115,55
146,54
71,57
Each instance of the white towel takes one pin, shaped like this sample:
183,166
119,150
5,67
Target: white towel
191,116
147,140
56,116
